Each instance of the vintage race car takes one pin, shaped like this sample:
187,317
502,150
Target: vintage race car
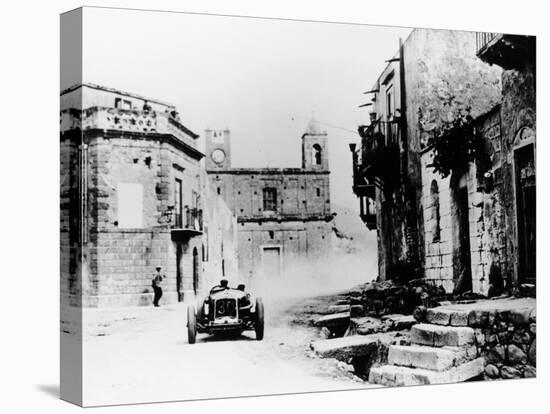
225,310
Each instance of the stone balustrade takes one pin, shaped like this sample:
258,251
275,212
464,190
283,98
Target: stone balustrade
125,120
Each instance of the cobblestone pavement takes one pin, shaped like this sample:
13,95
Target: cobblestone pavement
142,355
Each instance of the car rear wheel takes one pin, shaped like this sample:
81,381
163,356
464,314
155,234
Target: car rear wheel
259,328
191,325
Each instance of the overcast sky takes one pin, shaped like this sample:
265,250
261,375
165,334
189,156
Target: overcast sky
261,78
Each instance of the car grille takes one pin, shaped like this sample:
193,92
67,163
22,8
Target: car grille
226,307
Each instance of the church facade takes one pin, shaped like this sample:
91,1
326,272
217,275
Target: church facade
283,214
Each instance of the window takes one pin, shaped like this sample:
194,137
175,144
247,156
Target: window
270,199
317,154
435,213
178,212
318,192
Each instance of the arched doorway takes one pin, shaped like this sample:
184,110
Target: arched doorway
196,270
526,207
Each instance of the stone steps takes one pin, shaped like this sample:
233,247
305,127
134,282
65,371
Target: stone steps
394,375
439,354
439,336
425,357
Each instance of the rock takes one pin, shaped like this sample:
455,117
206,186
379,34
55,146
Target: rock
459,318
479,337
516,355
333,320
492,371
356,310
438,316
338,308
425,357
435,335
496,355
491,339
325,332
345,348
507,372
529,372
532,353
398,322
519,316
420,313
533,328
478,318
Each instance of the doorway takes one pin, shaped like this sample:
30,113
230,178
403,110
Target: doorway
526,212
179,276
271,261
196,270
462,263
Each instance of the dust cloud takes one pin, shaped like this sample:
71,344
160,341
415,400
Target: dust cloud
334,273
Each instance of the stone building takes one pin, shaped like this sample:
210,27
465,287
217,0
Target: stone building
133,197
283,214
454,225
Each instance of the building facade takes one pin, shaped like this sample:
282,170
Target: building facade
283,214
133,197
441,213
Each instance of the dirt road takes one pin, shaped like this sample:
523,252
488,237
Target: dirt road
142,355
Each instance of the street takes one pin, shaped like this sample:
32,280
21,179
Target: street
138,355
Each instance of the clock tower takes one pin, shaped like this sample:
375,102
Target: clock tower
218,149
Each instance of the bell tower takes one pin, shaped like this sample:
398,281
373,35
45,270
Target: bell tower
218,149
314,147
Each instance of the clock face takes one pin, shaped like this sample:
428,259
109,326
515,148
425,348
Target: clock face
218,156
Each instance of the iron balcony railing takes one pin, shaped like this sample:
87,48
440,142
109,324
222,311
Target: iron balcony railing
188,218
483,39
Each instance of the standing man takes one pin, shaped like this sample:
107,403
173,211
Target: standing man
157,286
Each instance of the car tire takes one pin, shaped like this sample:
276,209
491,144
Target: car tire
191,325
259,326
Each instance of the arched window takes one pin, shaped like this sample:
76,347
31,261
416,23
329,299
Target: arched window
317,154
435,213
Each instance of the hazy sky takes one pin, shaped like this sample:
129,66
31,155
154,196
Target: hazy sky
261,78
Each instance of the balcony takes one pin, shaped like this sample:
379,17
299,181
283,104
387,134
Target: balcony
187,223
504,50
379,164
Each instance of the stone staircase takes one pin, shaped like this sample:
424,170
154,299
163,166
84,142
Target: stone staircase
438,354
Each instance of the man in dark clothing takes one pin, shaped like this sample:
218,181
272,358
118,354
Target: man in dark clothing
157,286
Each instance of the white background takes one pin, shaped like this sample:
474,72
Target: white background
29,72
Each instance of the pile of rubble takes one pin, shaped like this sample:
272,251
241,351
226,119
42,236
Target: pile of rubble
384,298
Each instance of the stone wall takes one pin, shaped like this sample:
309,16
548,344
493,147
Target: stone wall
508,341
487,230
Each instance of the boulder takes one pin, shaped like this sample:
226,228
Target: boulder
492,371
507,372
516,355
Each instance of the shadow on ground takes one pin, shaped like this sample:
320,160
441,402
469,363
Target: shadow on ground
49,389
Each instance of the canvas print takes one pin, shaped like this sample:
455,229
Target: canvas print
255,206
